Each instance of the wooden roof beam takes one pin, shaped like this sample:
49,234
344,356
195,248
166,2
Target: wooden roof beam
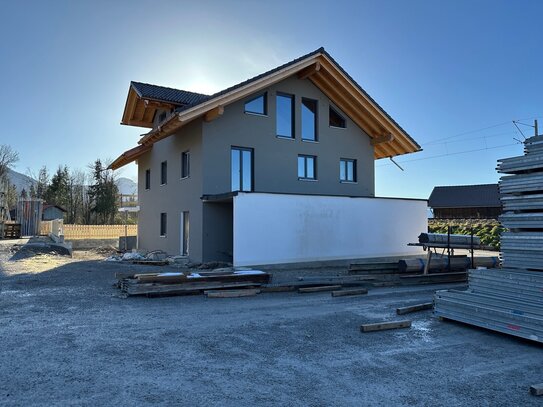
382,139
309,71
214,114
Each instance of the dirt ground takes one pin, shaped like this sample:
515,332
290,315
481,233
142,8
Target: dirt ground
67,339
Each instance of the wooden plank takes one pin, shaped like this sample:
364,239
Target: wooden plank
344,293
382,326
414,308
279,289
537,389
231,293
319,289
140,289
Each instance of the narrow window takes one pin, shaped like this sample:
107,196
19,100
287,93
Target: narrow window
242,169
185,233
147,179
335,119
164,173
309,119
185,164
285,115
307,167
163,223
257,105
347,170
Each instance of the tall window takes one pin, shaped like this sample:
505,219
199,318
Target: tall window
258,105
347,170
242,169
163,223
335,119
185,164
307,167
147,179
309,119
163,173
285,115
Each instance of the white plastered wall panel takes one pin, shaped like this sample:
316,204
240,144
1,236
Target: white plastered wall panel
281,228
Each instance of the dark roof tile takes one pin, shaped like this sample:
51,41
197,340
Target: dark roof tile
465,196
162,93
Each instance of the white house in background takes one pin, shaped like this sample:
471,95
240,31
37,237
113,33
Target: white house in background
276,169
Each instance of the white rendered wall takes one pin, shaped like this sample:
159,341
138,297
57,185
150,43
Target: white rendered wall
277,228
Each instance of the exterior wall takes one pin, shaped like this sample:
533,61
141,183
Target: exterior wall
275,159
279,228
176,196
218,231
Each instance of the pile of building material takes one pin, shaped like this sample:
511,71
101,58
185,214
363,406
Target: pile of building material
510,300
177,283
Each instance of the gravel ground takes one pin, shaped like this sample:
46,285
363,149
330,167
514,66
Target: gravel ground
67,339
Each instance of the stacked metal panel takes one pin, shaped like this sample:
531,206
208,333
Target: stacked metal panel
510,300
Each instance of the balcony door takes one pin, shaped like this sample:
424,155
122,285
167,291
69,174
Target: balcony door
242,169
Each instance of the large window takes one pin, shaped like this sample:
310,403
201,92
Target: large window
163,173
185,164
285,115
335,119
309,119
307,167
242,169
163,224
347,170
148,179
258,105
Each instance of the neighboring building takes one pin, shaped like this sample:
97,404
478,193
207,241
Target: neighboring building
266,171
52,212
466,202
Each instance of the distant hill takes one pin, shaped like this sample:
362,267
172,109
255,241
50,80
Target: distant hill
127,186
20,180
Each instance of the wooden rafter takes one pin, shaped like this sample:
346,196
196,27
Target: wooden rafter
309,71
382,139
214,114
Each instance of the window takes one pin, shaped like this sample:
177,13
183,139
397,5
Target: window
162,116
285,115
185,233
164,173
258,105
335,119
148,179
163,223
309,119
347,170
242,169
306,167
185,164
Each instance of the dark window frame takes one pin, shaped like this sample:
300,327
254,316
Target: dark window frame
265,98
163,224
342,116
147,179
305,177
185,169
315,120
164,173
344,161
241,149
292,115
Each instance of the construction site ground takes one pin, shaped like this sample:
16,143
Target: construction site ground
66,338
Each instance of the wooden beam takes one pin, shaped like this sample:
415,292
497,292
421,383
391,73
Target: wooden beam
414,308
382,139
249,292
319,289
157,105
130,106
138,123
214,114
382,326
310,70
344,293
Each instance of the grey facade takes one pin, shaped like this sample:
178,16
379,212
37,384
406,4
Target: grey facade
274,169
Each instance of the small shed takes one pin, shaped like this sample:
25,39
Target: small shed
52,212
466,202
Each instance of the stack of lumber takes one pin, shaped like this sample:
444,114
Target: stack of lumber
189,283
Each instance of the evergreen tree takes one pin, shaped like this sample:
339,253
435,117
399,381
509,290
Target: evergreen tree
103,194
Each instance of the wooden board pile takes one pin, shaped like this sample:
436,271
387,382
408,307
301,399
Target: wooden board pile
178,283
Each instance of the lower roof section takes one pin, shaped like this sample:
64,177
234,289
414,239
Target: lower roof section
129,156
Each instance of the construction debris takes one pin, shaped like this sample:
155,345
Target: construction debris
319,289
414,308
536,389
442,263
344,293
249,292
383,326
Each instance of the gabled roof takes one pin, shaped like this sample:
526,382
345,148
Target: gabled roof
389,138
47,206
465,196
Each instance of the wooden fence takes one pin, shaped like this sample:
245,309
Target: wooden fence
72,232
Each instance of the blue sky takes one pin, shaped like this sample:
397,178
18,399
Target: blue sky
443,69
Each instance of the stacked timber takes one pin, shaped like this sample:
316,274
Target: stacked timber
510,300
178,283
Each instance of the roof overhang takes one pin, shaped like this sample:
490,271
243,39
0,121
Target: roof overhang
140,111
128,156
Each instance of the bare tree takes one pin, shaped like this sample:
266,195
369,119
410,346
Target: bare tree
8,157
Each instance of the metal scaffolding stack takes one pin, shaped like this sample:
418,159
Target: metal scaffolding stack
510,300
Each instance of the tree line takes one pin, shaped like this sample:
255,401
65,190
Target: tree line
88,196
